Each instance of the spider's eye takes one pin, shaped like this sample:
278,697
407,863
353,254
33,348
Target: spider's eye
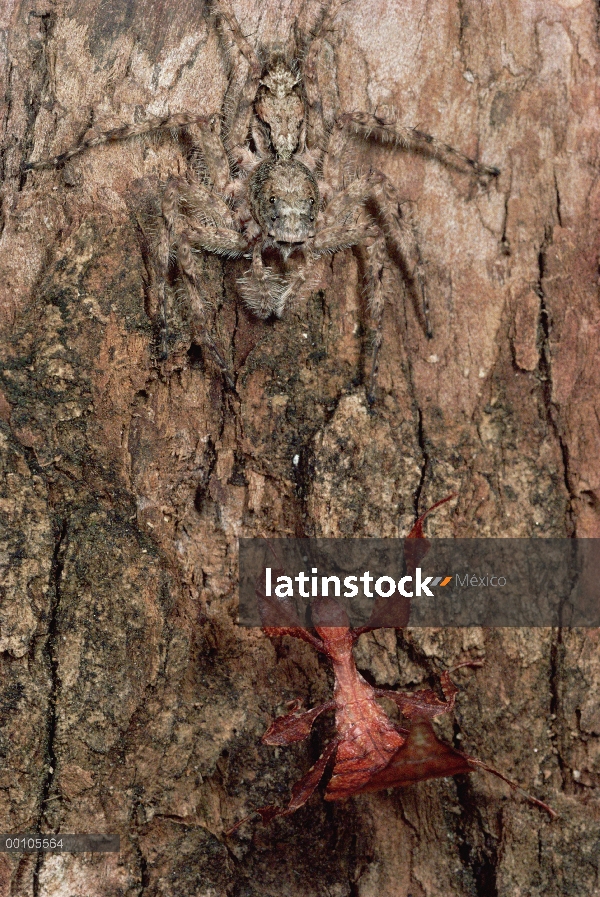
272,199
312,202
312,217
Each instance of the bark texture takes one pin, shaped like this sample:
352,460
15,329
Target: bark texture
130,700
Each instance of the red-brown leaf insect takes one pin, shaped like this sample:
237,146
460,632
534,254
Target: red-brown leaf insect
369,751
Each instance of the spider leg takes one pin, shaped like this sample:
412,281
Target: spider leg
220,240
321,99
166,239
400,240
216,232
207,135
317,123
214,236
239,120
198,306
323,24
223,10
373,256
372,127
338,163
152,123
342,227
201,203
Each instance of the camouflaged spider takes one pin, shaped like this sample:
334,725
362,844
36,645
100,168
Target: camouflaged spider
290,200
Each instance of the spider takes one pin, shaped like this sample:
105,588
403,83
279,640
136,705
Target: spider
269,182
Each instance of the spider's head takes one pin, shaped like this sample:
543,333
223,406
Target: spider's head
285,200
280,106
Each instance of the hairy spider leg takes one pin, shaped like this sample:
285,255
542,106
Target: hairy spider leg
216,235
198,307
199,202
224,10
403,248
323,23
372,127
376,194
319,123
217,231
153,123
208,138
239,119
399,234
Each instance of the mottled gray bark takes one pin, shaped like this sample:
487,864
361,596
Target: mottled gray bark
130,700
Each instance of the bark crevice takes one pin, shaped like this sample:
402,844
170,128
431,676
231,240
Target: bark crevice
50,651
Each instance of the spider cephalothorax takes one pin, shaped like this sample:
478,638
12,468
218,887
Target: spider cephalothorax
275,187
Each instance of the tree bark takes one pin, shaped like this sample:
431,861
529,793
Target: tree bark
131,702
